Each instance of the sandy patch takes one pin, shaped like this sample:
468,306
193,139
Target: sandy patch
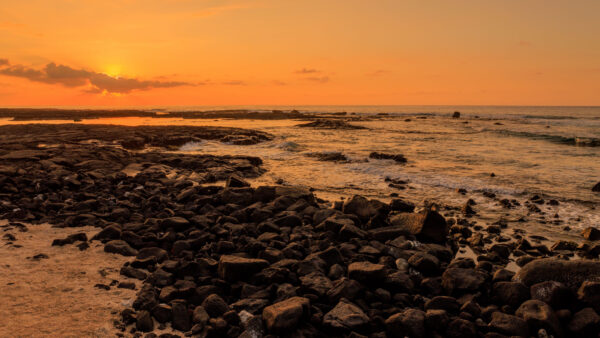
56,297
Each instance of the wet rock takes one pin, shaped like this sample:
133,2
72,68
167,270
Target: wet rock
539,315
133,272
345,316
362,207
162,313
330,124
589,293
70,239
200,316
317,283
461,328
232,268
556,294
591,234
120,247
437,320
153,252
236,182
510,293
564,246
410,322
402,206
329,156
503,275
285,315
425,263
366,272
177,223
460,280
570,273
383,156
449,304
508,325
428,226
108,233
144,321
181,317
585,322
215,306
343,288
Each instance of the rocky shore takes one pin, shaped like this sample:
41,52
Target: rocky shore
234,260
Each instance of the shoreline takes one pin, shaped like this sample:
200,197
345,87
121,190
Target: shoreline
363,266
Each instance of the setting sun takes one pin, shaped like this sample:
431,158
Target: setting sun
113,71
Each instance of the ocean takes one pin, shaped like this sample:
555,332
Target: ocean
551,152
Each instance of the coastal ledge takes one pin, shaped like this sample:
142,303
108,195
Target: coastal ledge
237,260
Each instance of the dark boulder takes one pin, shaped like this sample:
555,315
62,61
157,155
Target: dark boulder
591,234
585,323
363,208
589,293
571,273
510,293
554,293
181,317
144,321
383,156
508,325
345,316
177,223
460,280
410,322
110,232
236,181
366,272
285,315
232,268
427,226
120,247
539,315
215,306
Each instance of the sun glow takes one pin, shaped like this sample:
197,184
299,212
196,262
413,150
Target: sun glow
113,71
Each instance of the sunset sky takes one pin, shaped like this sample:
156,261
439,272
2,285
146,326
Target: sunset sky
285,52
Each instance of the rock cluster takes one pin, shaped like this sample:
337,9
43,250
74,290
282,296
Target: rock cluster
383,156
236,260
330,124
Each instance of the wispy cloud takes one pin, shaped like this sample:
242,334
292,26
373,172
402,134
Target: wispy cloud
278,83
234,83
307,71
379,72
96,82
3,62
319,79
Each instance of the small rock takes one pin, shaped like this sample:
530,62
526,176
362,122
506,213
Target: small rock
144,321
591,234
232,268
409,322
345,315
509,325
286,314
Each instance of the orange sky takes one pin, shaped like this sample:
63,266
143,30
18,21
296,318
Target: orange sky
209,52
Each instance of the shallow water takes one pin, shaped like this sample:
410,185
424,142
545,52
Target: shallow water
531,150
